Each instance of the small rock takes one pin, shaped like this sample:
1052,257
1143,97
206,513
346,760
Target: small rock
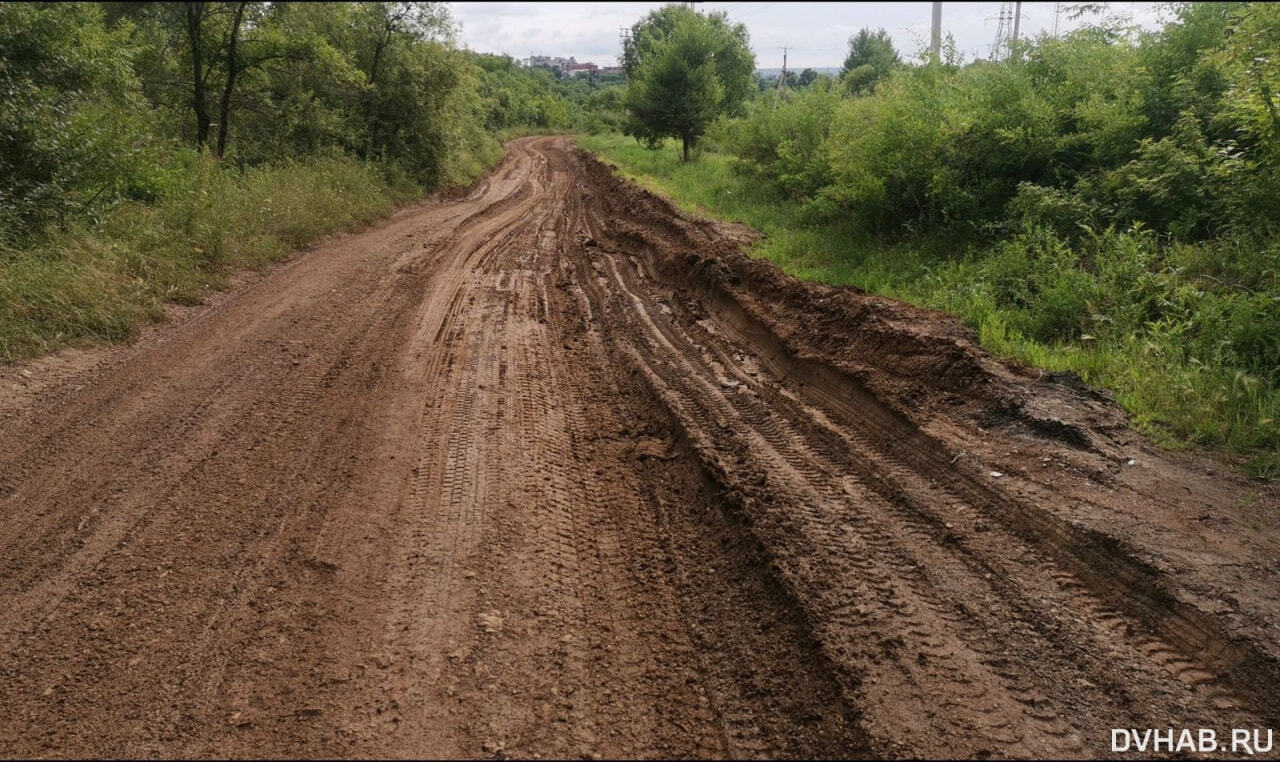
996,474
491,621
1130,462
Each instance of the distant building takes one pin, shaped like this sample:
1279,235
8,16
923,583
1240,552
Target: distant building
563,65
570,67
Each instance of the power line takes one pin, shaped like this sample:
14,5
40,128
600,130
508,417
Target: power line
758,7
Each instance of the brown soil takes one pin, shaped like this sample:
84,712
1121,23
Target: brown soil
555,470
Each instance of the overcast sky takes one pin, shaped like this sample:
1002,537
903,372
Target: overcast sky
817,33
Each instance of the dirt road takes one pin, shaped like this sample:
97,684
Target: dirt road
553,470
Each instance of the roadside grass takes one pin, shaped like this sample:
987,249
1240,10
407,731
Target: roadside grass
1180,401
99,281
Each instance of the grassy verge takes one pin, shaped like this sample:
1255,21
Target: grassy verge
1181,401
100,281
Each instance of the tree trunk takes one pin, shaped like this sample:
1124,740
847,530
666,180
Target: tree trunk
195,19
384,39
377,61
687,145
233,68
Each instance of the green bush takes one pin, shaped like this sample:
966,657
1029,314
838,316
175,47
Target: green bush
92,282
1103,202
111,199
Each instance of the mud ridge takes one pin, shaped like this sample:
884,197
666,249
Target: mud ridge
544,467
717,281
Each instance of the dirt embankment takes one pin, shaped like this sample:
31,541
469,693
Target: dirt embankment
553,469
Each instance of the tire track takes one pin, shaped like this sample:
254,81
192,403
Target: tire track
550,469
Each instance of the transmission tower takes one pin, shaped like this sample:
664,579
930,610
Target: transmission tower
1006,30
1004,26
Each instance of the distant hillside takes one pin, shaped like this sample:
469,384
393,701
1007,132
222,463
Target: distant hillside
773,72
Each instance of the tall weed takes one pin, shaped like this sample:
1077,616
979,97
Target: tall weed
92,282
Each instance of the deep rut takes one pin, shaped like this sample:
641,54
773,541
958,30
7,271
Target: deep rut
552,469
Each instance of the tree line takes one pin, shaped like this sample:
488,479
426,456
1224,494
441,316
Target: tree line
104,101
149,149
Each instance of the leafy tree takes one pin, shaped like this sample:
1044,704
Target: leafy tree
684,70
1180,71
871,58
302,96
675,91
68,116
807,77
516,96
104,101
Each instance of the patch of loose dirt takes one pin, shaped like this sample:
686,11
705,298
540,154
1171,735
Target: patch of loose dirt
554,470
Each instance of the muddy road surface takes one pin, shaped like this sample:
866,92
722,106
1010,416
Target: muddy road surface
552,469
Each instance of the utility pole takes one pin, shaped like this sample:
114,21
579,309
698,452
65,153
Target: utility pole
935,36
782,81
1057,17
624,37
1017,20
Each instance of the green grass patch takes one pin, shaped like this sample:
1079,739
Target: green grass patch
1175,390
97,282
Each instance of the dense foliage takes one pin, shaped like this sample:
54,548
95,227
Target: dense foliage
871,58
148,148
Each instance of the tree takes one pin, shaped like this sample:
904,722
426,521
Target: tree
684,69
807,77
871,58
68,117
196,15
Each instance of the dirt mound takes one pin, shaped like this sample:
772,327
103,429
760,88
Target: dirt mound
988,441
918,361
